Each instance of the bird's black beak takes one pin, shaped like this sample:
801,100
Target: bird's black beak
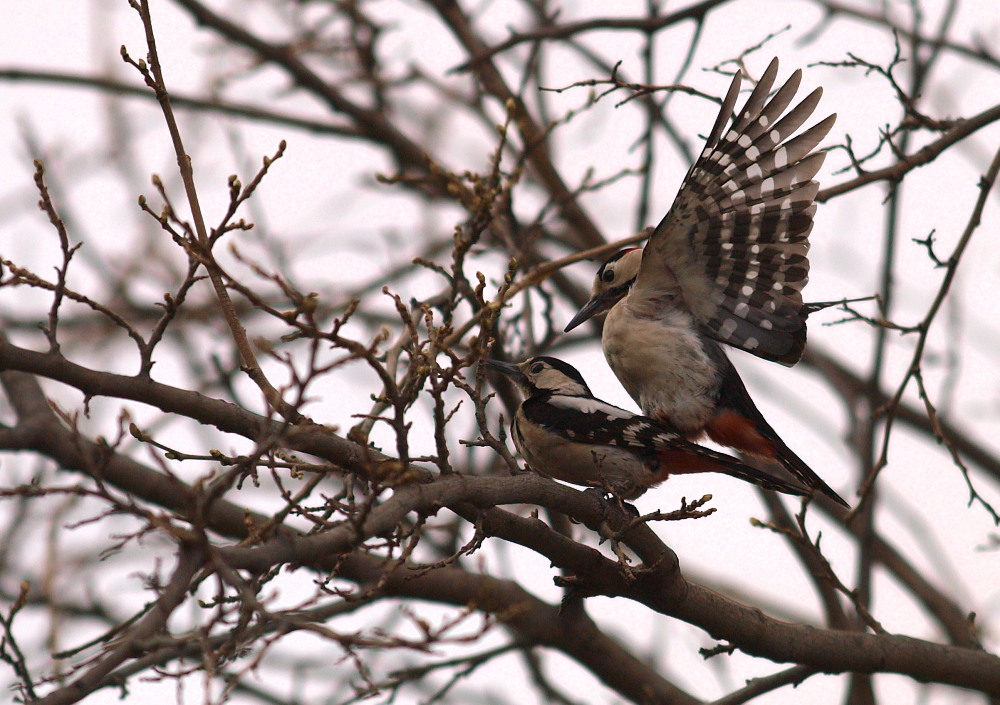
510,370
598,304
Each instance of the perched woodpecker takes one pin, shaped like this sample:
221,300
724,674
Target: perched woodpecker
726,264
563,432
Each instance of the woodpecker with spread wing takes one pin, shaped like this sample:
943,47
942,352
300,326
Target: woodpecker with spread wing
563,432
726,264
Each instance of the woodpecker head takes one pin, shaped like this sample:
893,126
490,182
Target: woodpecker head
612,281
544,375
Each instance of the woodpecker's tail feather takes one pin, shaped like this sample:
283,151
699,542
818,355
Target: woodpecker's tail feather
761,478
797,467
694,459
740,425
752,435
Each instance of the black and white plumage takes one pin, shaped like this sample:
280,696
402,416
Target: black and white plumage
565,433
727,264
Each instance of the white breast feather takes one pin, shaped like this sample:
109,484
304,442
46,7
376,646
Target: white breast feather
661,363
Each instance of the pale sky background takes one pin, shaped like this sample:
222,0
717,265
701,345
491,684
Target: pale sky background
342,226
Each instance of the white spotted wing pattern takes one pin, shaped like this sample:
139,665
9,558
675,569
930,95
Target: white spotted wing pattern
735,240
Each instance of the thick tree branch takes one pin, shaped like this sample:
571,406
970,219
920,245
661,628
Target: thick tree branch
660,585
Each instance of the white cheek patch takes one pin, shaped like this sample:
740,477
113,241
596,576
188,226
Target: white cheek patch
556,381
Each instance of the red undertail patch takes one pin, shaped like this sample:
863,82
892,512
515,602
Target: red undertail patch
735,431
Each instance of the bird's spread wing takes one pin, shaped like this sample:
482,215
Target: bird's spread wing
736,237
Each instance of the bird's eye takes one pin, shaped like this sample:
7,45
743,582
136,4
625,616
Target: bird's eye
607,275
537,368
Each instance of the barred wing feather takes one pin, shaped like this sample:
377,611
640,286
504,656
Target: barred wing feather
735,240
